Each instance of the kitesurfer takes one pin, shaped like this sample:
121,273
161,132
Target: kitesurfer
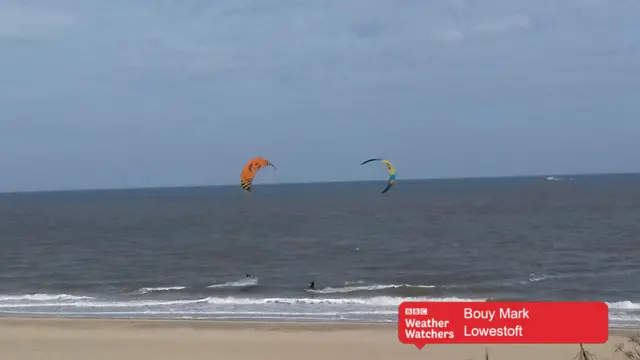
312,285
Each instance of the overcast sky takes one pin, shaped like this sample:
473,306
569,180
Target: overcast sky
130,93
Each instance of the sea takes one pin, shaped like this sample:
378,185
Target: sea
220,253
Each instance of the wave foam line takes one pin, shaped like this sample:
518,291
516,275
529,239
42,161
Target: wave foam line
623,305
230,313
43,297
249,281
348,289
373,301
146,290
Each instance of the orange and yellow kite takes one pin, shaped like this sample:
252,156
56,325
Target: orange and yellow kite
250,171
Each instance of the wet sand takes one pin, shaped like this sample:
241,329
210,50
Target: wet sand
71,339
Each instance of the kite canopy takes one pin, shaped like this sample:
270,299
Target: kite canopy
392,172
250,171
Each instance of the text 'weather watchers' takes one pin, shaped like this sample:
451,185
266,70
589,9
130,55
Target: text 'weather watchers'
423,323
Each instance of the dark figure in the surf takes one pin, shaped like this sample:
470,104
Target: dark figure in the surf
248,275
312,285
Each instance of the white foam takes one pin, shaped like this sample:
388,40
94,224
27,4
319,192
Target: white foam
146,290
628,318
39,299
372,301
623,305
247,281
43,297
375,308
354,282
228,313
348,289
536,278
544,277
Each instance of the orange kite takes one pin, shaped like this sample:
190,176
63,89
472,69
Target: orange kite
250,171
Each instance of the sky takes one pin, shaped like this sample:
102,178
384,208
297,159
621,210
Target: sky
137,93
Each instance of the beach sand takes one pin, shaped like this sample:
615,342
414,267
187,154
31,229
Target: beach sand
70,339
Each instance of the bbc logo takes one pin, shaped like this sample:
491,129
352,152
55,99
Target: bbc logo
416,311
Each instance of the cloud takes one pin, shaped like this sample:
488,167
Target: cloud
185,79
362,36
509,24
25,23
460,4
451,36
483,30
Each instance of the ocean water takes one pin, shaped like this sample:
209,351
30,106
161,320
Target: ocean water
184,252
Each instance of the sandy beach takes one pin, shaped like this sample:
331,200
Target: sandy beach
70,339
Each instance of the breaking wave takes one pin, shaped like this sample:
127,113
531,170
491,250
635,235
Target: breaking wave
623,305
245,282
41,297
348,289
146,290
329,307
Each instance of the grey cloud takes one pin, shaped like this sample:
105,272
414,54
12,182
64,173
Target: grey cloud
173,82
305,32
23,23
511,23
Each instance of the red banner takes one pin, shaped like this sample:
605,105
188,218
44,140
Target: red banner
423,323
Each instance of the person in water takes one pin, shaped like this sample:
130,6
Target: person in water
249,276
312,285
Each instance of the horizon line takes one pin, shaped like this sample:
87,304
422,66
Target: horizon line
160,187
